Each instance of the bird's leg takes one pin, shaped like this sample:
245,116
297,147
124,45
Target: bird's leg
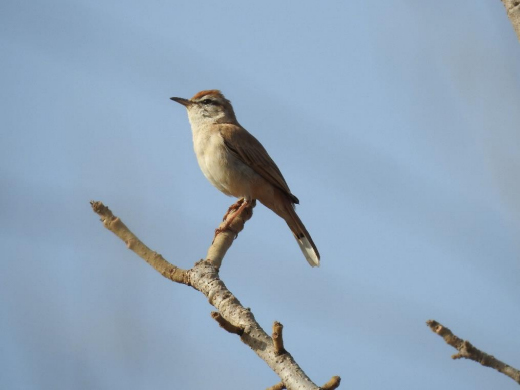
235,206
239,207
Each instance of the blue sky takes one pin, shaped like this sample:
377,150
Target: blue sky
395,123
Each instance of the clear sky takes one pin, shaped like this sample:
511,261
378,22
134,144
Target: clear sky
395,123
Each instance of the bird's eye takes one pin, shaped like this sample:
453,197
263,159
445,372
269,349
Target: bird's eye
207,101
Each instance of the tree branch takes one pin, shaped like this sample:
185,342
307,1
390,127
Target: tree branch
513,13
116,226
204,277
468,351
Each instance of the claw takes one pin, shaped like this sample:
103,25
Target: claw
236,209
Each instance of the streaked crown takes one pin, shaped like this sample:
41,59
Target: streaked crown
212,104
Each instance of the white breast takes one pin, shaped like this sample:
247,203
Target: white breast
221,168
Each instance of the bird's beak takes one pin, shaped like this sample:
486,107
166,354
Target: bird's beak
184,102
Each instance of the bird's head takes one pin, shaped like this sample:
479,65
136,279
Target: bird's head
208,106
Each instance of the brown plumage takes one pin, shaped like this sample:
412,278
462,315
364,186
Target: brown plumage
237,164
250,151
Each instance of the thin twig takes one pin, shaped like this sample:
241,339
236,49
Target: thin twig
116,226
332,384
278,339
468,351
226,325
278,386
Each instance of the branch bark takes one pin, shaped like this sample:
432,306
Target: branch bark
513,13
468,351
204,277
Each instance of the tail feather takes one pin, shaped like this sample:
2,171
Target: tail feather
309,251
303,237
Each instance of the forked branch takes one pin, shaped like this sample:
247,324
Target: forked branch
204,277
466,350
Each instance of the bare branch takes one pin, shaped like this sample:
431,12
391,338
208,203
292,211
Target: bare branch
513,13
204,278
278,339
224,239
116,226
332,384
224,324
278,386
468,351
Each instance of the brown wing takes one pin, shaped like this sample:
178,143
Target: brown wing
251,152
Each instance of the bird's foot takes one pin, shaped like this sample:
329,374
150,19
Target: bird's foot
234,207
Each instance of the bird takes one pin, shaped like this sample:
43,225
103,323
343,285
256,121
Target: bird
237,164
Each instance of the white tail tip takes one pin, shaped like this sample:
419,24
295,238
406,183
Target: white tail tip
308,251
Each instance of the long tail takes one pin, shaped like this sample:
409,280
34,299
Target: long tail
302,236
